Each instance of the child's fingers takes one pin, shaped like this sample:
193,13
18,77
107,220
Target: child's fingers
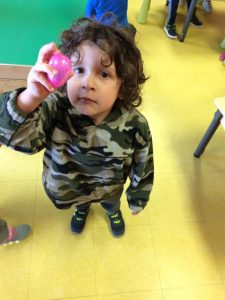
135,213
41,78
39,73
46,52
45,68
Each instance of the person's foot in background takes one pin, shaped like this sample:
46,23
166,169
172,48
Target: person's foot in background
207,6
16,234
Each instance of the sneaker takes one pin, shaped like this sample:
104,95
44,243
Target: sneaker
170,30
117,224
195,22
207,6
17,234
78,220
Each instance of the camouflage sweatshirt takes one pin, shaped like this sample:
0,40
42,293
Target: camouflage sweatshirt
82,162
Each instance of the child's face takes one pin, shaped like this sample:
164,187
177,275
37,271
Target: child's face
93,88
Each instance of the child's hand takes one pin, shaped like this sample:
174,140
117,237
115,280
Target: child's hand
135,213
38,85
135,209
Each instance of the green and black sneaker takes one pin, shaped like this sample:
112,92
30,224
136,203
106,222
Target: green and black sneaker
170,30
78,220
117,223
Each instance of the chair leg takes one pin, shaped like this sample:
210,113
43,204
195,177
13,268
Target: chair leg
209,133
187,20
142,15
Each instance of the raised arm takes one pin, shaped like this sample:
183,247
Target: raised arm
38,86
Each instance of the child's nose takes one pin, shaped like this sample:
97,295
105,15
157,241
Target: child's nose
88,82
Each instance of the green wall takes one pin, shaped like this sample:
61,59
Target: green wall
25,25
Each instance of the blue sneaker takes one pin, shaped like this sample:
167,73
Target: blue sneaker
195,22
117,224
170,30
78,220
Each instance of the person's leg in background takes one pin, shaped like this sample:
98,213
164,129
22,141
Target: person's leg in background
170,26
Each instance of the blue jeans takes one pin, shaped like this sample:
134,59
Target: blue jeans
172,10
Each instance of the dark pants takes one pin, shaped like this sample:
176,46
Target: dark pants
111,206
172,10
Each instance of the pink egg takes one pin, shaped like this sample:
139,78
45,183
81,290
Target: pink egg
63,65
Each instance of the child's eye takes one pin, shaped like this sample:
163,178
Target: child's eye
78,70
105,75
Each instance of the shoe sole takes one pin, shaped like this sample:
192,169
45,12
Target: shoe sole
9,243
17,241
77,232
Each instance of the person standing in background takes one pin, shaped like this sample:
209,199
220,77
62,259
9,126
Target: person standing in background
206,4
170,26
97,8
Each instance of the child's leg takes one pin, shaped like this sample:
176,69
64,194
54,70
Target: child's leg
79,218
111,207
114,214
170,27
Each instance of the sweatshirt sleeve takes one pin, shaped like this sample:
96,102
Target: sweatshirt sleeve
142,172
23,132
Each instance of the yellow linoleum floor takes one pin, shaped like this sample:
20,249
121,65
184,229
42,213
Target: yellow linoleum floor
175,249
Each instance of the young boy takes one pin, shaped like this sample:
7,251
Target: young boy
93,136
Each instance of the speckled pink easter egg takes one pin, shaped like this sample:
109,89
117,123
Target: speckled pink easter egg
63,65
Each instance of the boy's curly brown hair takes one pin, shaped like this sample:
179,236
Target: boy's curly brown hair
119,44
